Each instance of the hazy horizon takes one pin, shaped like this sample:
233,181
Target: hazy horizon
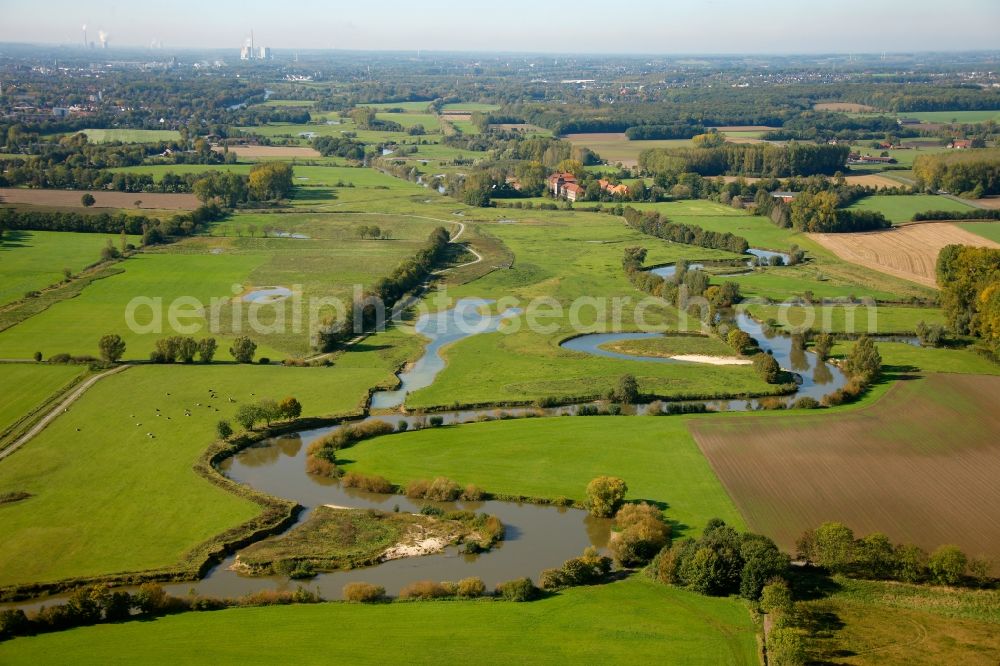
716,27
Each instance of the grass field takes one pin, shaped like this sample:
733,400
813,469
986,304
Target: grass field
556,457
615,147
848,319
989,230
904,156
409,107
909,252
35,384
759,231
108,498
902,208
408,120
635,620
954,116
673,345
74,326
131,135
468,107
901,360
919,465
33,260
866,622
327,264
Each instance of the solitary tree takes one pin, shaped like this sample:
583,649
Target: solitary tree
947,565
269,410
88,200
247,416
223,429
864,360
290,408
767,367
186,349
822,345
206,349
833,546
627,390
243,349
605,495
112,348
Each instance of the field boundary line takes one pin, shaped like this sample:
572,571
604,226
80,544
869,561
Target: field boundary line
57,410
13,431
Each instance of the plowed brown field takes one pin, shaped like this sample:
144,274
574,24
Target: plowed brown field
103,199
921,465
909,252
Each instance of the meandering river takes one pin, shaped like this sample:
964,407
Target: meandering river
537,537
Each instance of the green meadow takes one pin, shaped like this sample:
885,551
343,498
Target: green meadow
33,260
664,625
118,500
35,385
556,457
859,319
74,326
990,230
902,208
954,116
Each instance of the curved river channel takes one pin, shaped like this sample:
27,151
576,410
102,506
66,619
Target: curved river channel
537,537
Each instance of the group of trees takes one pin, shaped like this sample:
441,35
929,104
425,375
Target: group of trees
181,349
972,173
834,547
153,230
335,146
270,181
768,160
366,118
722,562
265,411
819,213
969,279
374,232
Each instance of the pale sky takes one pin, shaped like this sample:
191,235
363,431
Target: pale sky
584,26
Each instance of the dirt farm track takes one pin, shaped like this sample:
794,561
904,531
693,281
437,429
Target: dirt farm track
920,465
103,199
909,252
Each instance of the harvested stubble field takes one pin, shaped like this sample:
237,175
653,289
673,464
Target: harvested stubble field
920,465
103,199
271,152
908,252
850,107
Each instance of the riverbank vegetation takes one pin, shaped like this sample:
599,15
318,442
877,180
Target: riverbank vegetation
336,538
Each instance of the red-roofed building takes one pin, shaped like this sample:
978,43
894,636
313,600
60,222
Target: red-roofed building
573,192
961,144
614,190
558,183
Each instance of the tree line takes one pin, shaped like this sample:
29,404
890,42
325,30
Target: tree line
153,230
766,160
